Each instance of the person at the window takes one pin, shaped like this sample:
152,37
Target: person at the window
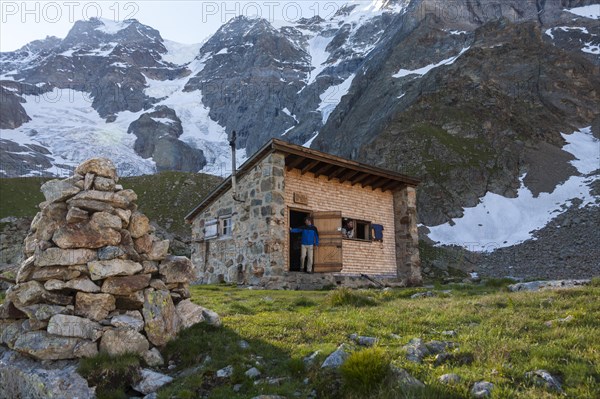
348,229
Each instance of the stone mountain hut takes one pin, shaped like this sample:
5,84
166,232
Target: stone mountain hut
241,230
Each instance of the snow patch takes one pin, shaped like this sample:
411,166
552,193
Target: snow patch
591,48
309,142
112,27
319,55
179,53
498,222
332,97
423,71
592,11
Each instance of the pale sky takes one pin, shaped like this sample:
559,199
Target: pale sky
182,21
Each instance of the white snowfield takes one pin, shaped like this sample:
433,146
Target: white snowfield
592,11
423,71
498,222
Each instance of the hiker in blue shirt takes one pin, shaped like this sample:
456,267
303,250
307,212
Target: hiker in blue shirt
310,238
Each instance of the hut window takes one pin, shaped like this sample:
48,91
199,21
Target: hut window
356,229
210,229
226,226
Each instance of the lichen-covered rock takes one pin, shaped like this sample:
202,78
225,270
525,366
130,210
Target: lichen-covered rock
83,284
159,250
125,285
85,235
10,331
55,272
132,320
94,306
45,346
120,341
139,224
143,244
176,269
26,293
189,313
64,257
104,184
107,220
115,267
73,326
44,311
76,215
110,252
124,214
99,166
58,190
160,316
115,200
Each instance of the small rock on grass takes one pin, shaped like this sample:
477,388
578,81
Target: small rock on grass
253,373
482,389
225,372
310,359
449,379
567,319
151,381
243,344
153,357
404,379
544,378
363,341
428,294
337,358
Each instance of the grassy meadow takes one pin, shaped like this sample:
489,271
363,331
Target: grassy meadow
505,334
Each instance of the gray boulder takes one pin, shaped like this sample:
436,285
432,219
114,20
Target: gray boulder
44,346
121,341
58,190
151,381
21,377
545,379
73,326
337,358
482,389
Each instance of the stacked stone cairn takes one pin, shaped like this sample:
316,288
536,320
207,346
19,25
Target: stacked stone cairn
95,277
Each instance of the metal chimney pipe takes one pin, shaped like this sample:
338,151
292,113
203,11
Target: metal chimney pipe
233,165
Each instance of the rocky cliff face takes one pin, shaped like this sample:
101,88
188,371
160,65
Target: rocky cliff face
470,96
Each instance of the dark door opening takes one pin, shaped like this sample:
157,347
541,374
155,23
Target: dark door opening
296,220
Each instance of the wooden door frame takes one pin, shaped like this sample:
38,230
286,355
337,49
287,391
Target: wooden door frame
289,250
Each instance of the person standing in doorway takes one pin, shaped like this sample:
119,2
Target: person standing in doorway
310,239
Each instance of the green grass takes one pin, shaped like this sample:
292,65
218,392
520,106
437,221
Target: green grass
364,370
503,332
110,375
165,197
